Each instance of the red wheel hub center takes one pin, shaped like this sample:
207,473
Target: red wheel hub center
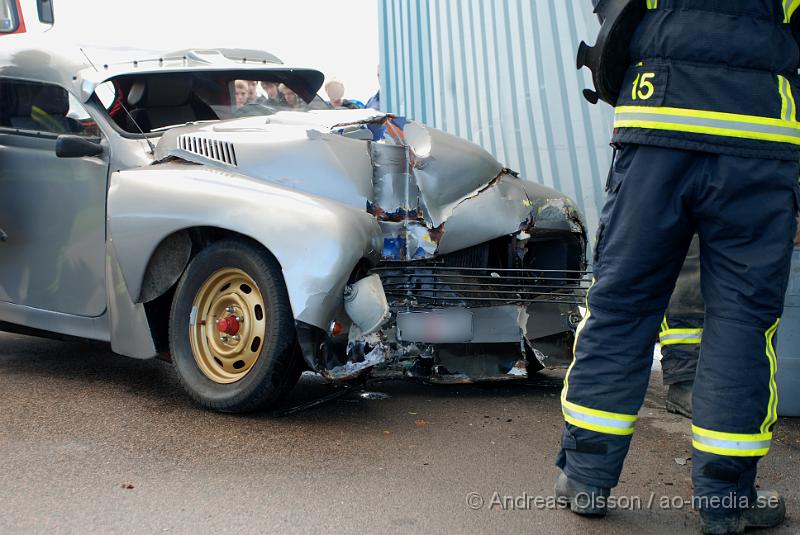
229,325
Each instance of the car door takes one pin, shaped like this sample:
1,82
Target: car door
51,208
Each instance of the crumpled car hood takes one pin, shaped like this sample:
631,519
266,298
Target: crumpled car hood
410,177
327,153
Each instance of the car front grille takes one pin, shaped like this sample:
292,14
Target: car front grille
432,286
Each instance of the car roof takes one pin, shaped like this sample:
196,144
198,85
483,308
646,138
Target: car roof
48,59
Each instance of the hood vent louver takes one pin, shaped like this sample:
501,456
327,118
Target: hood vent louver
219,151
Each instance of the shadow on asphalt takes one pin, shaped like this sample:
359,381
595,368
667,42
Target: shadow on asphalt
154,379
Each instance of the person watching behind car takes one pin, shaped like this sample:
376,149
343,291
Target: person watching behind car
252,91
273,97
290,97
335,91
241,93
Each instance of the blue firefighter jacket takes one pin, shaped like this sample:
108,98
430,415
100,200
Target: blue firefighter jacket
715,76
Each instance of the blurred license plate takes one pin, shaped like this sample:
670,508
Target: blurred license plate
445,326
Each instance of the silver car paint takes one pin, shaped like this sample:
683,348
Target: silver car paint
54,213
318,242
281,150
130,333
448,169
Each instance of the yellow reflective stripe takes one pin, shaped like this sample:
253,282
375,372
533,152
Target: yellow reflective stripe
782,93
772,406
729,452
575,342
596,412
669,337
731,444
698,331
597,427
702,114
596,420
788,106
789,7
709,123
44,119
664,324
652,4
740,437
712,131
792,112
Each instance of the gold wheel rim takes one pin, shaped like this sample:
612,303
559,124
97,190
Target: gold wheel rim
227,325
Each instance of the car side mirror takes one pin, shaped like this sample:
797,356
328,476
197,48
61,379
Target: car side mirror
77,147
45,9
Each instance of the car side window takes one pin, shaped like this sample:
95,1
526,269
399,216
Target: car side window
43,108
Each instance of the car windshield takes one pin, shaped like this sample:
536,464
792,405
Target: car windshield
155,102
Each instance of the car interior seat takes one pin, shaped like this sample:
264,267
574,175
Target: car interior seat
39,108
158,101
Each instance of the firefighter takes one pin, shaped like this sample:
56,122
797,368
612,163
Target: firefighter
681,333
708,142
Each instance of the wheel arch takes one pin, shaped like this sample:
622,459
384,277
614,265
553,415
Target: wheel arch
316,241
167,264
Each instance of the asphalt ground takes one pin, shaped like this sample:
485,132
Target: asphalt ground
96,443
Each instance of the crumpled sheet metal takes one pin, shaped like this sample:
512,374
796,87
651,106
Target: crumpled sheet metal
396,202
395,192
556,213
505,326
364,352
508,210
435,186
406,173
378,354
448,170
442,169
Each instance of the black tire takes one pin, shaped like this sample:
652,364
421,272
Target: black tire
279,363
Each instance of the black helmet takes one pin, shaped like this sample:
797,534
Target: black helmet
609,58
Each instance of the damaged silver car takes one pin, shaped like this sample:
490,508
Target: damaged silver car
146,205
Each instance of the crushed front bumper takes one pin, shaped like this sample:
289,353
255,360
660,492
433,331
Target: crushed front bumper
467,324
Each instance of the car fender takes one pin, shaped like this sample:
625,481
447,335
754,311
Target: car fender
317,242
516,205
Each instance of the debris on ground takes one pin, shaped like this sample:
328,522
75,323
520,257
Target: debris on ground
374,395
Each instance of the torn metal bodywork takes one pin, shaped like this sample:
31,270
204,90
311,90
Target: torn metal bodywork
469,322
400,196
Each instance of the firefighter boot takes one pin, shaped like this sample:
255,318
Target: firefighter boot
768,511
583,499
679,398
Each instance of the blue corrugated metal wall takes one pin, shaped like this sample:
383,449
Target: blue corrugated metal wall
502,74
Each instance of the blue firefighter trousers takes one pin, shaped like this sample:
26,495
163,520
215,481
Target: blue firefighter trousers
743,210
